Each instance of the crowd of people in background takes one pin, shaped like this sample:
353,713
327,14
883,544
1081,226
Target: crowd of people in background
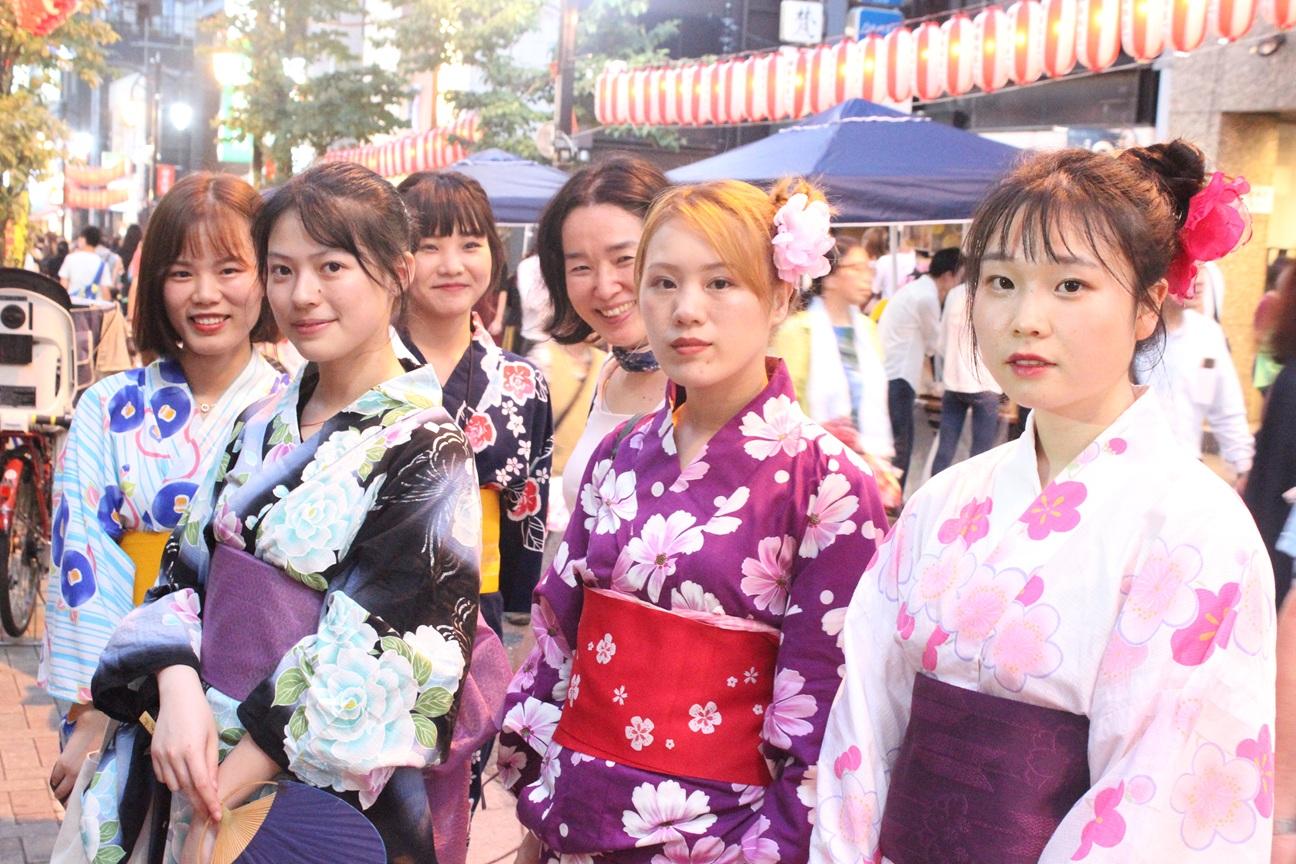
671,440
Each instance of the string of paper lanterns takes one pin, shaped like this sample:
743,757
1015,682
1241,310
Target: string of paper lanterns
42,17
1019,44
420,151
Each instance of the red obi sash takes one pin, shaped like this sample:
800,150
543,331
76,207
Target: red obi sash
676,692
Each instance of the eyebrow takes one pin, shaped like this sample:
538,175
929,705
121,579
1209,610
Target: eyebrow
666,265
619,247
1067,260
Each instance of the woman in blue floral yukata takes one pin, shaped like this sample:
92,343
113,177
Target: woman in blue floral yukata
321,599
143,441
687,634
499,399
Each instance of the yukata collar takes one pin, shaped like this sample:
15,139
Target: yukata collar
1143,421
417,386
779,383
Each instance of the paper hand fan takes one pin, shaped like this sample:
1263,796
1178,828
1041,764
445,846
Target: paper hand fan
297,824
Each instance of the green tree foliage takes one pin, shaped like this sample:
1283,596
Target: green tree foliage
31,66
514,100
339,99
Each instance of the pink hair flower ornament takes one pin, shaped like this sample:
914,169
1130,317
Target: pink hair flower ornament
802,239
1216,222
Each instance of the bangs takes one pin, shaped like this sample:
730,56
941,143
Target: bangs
1047,224
730,222
331,222
221,233
442,203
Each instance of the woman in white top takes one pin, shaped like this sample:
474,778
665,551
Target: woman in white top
586,242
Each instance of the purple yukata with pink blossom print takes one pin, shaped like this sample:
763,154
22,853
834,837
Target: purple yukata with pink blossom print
1133,590
774,521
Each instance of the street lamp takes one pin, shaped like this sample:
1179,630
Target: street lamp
80,145
181,114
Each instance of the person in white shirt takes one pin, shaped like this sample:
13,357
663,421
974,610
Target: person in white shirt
891,271
968,385
84,274
1196,381
910,331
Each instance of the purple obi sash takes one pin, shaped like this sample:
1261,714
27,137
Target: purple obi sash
252,614
981,778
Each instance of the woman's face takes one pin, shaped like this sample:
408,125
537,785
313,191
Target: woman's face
450,276
1059,336
599,244
852,280
323,300
213,299
708,332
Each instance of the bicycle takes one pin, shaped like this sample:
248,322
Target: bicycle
38,384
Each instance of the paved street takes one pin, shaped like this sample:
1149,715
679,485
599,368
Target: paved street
29,815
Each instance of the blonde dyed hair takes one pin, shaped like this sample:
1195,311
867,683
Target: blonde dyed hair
736,219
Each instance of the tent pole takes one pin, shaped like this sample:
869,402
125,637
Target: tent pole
893,238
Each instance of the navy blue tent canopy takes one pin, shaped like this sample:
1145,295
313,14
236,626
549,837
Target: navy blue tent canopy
518,188
875,164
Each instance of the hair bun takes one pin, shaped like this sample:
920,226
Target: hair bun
1179,167
782,191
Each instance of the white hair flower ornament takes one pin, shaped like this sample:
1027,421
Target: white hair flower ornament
802,239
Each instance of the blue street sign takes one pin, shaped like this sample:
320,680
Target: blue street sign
873,19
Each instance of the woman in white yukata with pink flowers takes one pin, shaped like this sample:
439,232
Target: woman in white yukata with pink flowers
687,634
1064,651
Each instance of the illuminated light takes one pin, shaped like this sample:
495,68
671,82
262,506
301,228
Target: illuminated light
868,65
989,46
923,55
955,49
1021,38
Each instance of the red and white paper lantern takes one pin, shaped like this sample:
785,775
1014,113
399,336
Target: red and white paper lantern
688,94
900,64
873,68
929,65
1060,22
1233,18
1026,18
1281,13
993,49
1099,43
960,54
1188,24
762,78
1145,28
828,75
794,83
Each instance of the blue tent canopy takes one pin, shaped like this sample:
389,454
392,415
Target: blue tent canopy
876,165
518,188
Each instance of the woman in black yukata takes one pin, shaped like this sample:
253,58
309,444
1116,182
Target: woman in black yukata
499,399
326,576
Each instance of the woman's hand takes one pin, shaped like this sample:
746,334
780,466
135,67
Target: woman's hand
200,842
87,733
184,742
529,851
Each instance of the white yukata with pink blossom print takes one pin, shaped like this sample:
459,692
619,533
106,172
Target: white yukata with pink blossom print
1133,589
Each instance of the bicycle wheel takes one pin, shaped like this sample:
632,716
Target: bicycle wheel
21,567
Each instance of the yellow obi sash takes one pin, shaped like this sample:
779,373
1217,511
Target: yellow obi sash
145,549
490,536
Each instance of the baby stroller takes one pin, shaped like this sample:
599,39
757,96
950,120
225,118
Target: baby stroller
38,384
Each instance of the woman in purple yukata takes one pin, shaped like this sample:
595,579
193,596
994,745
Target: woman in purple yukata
1064,650
687,632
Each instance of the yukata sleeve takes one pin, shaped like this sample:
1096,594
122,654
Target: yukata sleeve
539,689
91,579
166,629
526,506
377,686
869,714
1182,720
841,515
